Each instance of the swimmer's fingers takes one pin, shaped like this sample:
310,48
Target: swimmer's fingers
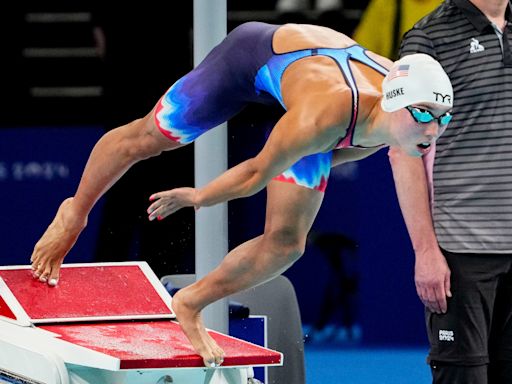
163,207
167,202
161,212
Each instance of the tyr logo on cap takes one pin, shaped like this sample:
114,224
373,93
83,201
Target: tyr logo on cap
443,98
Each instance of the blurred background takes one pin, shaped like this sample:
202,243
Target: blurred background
73,70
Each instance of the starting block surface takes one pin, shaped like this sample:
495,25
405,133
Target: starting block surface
86,292
157,344
114,316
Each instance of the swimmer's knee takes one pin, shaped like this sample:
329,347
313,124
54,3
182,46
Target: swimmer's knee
286,244
141,140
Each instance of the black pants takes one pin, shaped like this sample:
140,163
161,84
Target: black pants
472,342
499,372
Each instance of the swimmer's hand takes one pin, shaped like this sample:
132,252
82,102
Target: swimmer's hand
168,202
54,245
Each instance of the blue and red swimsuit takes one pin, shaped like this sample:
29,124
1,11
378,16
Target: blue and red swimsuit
244,69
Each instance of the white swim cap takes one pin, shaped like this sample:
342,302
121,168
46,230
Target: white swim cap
416,78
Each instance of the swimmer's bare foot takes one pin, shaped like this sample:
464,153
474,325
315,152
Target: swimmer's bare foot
58,239
192,325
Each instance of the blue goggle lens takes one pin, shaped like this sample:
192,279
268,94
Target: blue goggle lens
445,119
424,116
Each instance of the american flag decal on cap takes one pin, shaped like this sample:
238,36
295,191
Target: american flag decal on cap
400,71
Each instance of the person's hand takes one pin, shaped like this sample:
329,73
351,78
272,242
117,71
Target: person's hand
432,278
54,245
168,202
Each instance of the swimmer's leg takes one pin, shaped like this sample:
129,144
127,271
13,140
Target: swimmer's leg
291,210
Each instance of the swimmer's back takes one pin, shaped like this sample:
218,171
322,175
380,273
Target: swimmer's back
294,37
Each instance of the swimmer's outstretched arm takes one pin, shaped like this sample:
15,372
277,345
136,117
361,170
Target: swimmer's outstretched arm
244,179
298,133
110,158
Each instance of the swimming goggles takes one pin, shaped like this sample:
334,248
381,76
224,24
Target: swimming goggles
424,116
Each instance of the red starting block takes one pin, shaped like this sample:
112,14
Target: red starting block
106,323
